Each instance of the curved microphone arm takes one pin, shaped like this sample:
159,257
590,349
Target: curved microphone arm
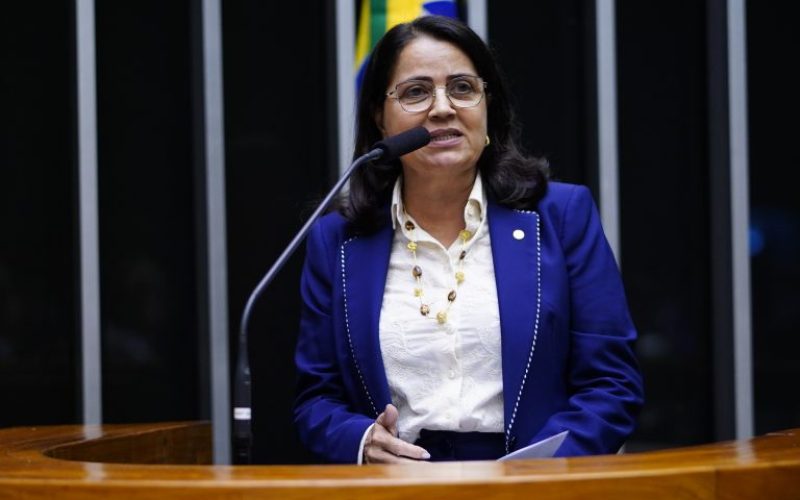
242,401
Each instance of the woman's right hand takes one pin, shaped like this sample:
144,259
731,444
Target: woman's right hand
384,447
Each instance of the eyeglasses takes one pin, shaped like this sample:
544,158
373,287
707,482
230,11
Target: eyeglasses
416,96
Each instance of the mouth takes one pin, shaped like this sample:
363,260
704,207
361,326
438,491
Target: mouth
445,134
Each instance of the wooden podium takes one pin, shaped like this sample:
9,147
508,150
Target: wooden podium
169,461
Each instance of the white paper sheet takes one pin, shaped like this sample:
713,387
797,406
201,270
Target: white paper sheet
545,448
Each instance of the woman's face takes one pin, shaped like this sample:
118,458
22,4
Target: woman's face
458,134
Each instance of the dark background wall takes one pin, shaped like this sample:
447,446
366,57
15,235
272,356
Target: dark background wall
773,109
547,51
146,176
38,223
281,150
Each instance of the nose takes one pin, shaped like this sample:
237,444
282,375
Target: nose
442,107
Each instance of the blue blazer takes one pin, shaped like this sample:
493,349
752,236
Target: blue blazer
566,333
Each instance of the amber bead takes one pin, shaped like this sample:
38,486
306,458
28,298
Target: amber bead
451,296
424,309
410,225
463,254
417,271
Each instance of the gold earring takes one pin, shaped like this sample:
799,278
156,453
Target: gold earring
488,141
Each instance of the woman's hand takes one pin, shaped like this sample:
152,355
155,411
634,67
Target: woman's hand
384,447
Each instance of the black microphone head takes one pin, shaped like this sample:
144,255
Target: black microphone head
403,143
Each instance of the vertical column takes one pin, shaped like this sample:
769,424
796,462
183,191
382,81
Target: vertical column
476,16
91,367
720,220
345,79
742,327
607,145
216,238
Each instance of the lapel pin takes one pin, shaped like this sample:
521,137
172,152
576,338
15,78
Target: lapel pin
518,234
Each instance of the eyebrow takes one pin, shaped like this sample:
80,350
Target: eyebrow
429,79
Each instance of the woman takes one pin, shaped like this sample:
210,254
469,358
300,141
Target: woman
458,306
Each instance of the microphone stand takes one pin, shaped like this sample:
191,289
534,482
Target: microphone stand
242,406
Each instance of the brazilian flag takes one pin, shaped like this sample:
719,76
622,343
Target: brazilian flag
379,16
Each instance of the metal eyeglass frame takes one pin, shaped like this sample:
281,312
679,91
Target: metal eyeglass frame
392,94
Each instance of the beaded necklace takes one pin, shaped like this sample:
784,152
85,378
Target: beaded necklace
424,309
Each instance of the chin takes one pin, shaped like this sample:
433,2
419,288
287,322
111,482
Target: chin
442,162
451,160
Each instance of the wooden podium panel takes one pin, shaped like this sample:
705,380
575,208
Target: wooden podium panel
169,461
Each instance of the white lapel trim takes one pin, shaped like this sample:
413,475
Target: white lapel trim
347,326
535,325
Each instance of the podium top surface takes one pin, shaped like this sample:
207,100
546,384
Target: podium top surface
170,460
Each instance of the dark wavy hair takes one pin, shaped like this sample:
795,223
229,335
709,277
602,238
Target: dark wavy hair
511,177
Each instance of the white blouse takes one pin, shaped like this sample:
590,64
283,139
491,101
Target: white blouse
443,376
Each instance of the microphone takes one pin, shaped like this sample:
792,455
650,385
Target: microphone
403,143
387,149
